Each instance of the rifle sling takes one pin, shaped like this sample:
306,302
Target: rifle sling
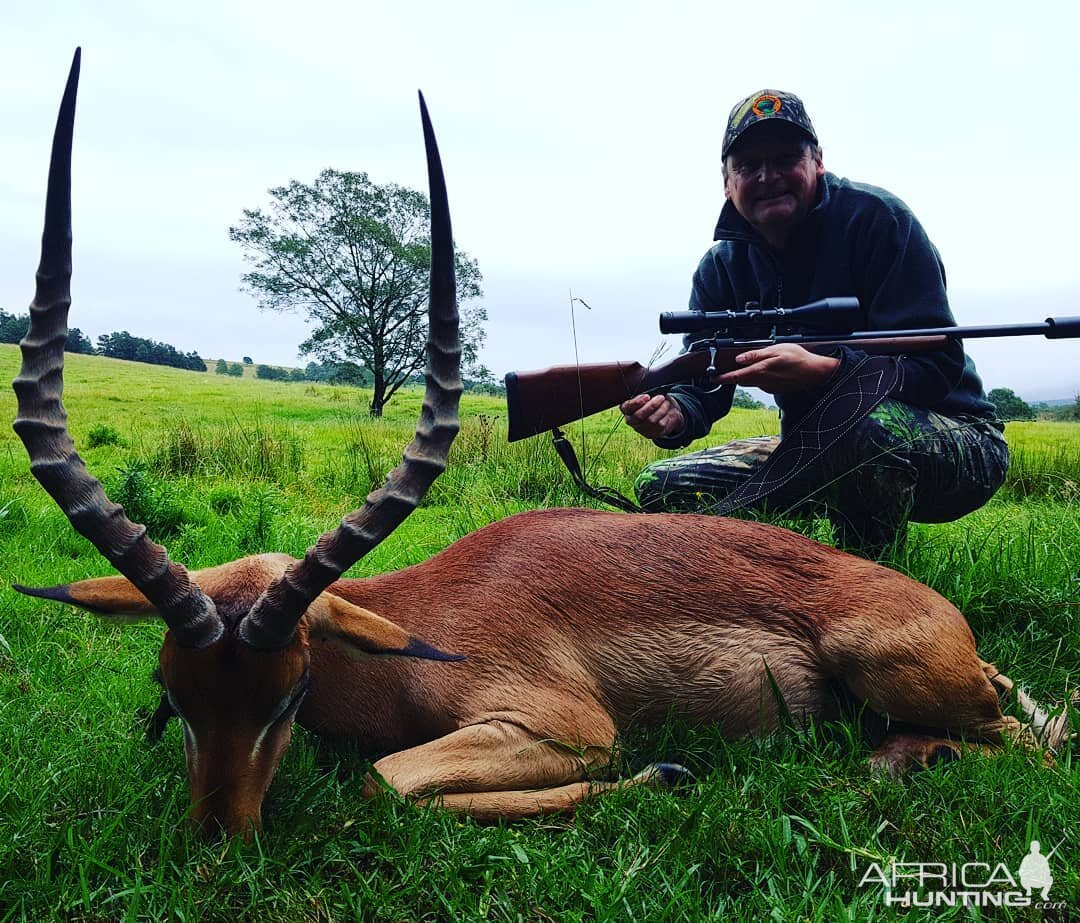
607,495
850,399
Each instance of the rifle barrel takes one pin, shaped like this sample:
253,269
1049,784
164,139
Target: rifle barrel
1053,328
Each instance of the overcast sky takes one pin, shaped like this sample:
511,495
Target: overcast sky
581,147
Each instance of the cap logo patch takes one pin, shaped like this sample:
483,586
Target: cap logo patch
766,106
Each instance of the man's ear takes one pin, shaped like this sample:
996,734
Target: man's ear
111,597
360,631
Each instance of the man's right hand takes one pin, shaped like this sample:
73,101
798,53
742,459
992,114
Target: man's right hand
654,416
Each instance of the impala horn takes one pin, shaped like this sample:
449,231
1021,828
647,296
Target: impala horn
272,621
41,421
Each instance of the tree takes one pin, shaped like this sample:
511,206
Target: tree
337,373
482,381
1063,411
122,345
222,367
1009,405
13,328
355,257
744,400
271,373
78,342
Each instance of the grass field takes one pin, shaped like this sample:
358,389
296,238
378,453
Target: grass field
92,816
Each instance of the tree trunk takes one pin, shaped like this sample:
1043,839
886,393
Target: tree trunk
378,395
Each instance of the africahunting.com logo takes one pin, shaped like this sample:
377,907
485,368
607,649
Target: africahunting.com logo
968,884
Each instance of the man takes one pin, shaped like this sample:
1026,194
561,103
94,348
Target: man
791,233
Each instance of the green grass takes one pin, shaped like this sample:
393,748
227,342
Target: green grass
92,817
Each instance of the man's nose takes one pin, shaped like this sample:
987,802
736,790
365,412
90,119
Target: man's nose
766,170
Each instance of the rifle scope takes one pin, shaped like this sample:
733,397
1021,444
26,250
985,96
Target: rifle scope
829,312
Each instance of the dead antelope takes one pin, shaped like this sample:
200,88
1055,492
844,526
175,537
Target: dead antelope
497,674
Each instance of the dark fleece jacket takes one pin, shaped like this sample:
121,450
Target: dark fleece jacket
858,240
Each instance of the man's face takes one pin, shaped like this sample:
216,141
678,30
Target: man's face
772,179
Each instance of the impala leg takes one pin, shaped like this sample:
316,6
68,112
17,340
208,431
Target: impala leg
923,671
931,688
900,753
903,751
493,806
493,756
501,770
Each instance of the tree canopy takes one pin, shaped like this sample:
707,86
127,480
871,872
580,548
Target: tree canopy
13,328
1009,405
746,401
271,373
354,256
122,345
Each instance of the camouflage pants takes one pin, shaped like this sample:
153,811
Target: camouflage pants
900,463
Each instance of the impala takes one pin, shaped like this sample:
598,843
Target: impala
498,674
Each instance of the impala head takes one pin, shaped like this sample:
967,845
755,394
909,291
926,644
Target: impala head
234,663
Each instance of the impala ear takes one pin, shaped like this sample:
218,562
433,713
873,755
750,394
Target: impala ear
111,597
361,631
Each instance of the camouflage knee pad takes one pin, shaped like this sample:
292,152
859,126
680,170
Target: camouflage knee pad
692,483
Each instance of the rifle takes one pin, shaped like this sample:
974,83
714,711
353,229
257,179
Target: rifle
545,399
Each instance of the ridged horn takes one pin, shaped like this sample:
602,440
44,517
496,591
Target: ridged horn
41,421
272,621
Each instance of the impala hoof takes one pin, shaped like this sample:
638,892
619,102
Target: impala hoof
670,775
904,753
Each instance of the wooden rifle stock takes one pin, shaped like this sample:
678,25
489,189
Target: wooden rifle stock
544,399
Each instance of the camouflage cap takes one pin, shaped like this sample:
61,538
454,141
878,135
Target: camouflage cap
762,106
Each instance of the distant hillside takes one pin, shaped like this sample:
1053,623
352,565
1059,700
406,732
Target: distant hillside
134,397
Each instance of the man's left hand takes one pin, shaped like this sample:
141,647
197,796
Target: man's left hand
781,369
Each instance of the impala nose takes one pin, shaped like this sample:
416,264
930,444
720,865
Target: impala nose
217,813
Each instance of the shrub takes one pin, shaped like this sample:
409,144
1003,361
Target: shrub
224,499
103,434
261,507
150,501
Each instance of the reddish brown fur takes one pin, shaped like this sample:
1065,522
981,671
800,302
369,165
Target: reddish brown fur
575,624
